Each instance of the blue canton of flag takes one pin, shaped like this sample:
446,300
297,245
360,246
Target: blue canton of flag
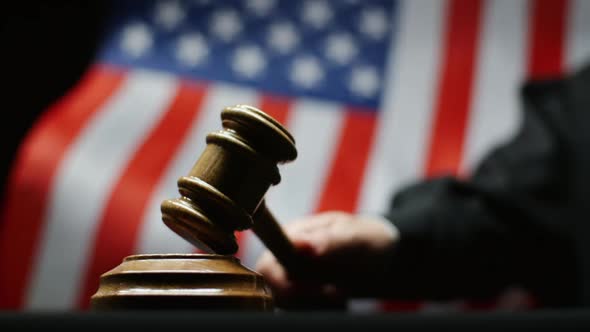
330,50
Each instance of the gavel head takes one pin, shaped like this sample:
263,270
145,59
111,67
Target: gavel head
229,180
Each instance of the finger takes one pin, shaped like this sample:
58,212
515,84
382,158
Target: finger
331,238
316,232
301,226
315,222
274,273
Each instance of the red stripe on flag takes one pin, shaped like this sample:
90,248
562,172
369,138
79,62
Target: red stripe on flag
342,188
119,226
30,181
455,87
279,109
547,37
460,51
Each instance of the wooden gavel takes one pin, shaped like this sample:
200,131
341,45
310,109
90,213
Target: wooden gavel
224,191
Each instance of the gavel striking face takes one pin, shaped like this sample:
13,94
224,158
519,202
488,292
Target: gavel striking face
224,191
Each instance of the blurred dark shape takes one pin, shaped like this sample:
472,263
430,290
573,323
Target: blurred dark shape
521,220
46,47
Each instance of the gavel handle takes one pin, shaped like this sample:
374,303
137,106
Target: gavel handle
269,231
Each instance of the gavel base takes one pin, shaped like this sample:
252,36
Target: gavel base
182,282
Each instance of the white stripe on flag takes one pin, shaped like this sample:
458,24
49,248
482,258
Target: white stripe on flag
316,126
406,108
155,237
495,112
84,182
578,38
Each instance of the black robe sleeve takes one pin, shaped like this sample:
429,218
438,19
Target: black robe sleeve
509,224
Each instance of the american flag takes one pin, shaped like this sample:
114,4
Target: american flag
376,93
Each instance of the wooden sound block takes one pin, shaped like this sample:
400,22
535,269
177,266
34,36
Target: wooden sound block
182,282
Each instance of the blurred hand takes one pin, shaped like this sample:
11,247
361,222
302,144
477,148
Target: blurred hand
347,253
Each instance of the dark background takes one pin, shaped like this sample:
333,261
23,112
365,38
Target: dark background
46,47
572,320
